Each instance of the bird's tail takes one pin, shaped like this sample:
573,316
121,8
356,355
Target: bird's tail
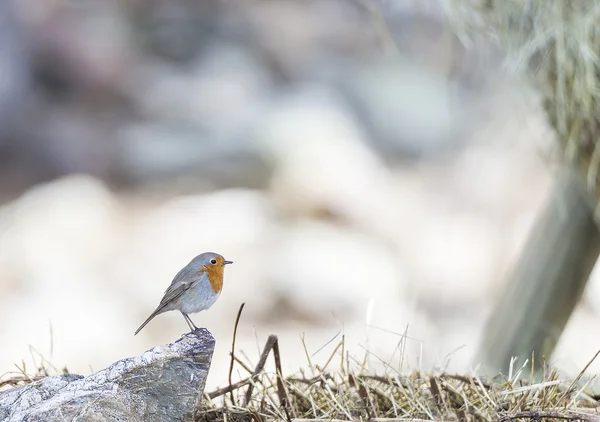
156,312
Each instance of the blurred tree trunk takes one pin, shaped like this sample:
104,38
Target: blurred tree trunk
547,281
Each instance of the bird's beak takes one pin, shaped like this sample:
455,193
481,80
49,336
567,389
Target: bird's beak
227,262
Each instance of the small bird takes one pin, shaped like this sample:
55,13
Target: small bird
195,288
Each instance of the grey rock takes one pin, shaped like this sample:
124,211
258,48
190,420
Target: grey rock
164,383
15,77
175,30
409,109
157,152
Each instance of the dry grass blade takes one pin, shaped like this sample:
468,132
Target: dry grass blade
23,377
574,383
235,327
260,366
20,380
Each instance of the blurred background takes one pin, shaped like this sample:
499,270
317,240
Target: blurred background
369,173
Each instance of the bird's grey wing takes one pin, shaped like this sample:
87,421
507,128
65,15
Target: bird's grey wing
182,282
185,279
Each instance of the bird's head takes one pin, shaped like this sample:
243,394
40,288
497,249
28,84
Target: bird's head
213,265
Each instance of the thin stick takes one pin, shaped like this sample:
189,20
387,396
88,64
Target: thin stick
271,344
21,379
362,393
232,387
549,415
242,364
260,365
310,365
576,380
310,381
327,344
342,354
281,391
237,321
331,356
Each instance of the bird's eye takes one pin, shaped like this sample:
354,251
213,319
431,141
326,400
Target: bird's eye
213,261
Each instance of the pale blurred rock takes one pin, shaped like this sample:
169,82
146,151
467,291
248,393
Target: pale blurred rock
324,269
176,30
153,150
323,164
410,109
58,244
163,384
70,140
202,115
50,221
298,39
80,49
222,88
454,243
164,152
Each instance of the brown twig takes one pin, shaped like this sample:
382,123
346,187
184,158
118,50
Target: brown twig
384,380
242,364
465,379
235,327
19,379
436,393
260,366
537,415
231,387
271,344
256,416
311,381
362,393
281,391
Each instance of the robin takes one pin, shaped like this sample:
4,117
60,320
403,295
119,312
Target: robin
195,288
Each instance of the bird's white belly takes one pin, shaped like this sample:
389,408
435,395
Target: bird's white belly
198,299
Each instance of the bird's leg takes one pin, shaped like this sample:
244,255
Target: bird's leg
189,322
192,322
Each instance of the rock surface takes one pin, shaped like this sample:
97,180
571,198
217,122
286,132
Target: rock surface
162,384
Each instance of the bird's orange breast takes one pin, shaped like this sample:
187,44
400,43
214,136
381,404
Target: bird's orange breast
215,277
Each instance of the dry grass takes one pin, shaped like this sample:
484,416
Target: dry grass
22,375
343,389
557,44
